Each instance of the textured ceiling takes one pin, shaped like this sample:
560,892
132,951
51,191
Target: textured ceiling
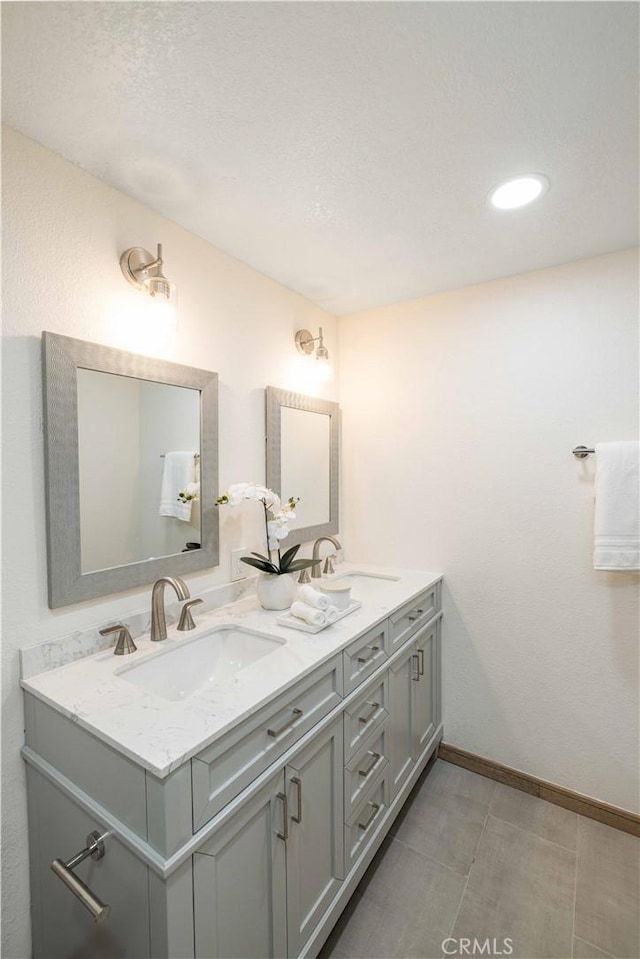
346,149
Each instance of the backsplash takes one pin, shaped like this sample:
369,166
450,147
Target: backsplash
67,649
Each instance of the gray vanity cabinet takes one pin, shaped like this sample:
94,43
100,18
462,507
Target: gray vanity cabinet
315,850
251,848
239,882
425,693
61,925
403,674
414,703
268,875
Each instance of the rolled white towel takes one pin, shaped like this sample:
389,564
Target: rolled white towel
307,594
315,617
331,614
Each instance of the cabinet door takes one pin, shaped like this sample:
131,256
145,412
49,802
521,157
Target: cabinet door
424,692
315,847
403,676
239,882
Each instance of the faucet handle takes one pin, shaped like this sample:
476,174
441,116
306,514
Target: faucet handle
124,643
186,619
304,576
328,567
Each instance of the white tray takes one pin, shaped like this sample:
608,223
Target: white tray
288,620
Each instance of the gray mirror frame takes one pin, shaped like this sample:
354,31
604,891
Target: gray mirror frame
275,400
62,355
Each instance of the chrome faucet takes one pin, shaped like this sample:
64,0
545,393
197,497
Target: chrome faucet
158,617
316,572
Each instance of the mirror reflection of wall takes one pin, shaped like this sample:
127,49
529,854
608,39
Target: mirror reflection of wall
305,458
125,426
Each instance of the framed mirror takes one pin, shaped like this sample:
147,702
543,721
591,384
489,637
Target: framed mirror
303,460
123,434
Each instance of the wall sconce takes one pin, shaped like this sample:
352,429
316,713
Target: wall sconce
304,344
145,273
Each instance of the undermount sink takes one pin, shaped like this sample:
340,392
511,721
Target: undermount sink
366,586
199,663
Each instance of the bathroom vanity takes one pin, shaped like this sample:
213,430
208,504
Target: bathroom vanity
238,814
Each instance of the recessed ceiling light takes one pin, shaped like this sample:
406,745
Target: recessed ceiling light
519,191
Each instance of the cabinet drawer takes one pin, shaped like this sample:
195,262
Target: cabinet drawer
366,714
363,769
230,765
408,619
363,657
361,826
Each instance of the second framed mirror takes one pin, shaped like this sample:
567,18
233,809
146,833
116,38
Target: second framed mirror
303,460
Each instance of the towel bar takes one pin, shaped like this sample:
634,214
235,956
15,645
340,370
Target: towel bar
196,456
582,452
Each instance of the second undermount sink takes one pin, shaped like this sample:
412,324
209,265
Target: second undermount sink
366,586
199,663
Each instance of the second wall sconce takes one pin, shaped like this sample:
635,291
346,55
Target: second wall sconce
144,271
304,344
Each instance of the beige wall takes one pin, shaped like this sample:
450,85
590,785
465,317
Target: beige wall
63,235
460,414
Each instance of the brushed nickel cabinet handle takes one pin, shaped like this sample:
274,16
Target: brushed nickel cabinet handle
274,733
367,719
298,783
421,664
285,817
367,659
415,657
63,870
374,812
415,614
374,759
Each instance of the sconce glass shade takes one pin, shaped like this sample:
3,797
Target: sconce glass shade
160,288
323,368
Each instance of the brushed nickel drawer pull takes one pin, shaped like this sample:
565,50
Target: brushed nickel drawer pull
374,812
415,614
421,664
298,783
367,659
274,733
367,719
372,765
63,870
285,817
415,657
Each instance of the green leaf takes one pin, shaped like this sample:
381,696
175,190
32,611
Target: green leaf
262,564
287,557
299,564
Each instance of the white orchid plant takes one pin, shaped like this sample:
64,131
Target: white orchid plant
277,516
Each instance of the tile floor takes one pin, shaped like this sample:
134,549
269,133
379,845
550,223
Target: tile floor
469,858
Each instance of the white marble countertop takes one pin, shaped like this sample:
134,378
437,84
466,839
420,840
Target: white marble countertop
159,734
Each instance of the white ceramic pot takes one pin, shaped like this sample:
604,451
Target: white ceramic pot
276,592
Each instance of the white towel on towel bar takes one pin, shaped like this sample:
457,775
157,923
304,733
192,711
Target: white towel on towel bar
617,515
179,469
